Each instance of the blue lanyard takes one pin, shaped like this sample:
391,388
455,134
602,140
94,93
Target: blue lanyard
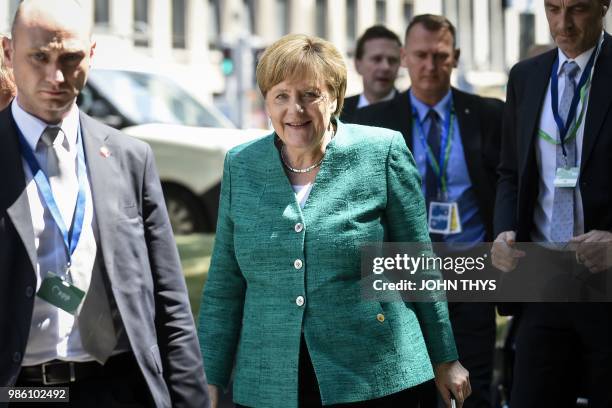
71,237
439,164
554,92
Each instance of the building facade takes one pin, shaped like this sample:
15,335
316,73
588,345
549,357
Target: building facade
492,34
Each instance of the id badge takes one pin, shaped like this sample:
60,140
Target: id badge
566,177
440,217
60,293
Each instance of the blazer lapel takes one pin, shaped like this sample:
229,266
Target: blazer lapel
402,113
529,113
103,172
13,195
469,130
599,99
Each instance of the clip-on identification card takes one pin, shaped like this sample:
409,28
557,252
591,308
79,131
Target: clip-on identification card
444,218
439,217
566,177
60,293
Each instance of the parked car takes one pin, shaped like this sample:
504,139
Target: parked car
189,138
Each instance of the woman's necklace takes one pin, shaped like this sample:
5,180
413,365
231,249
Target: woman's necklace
299,171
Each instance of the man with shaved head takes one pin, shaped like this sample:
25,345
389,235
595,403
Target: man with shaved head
554,189
91,291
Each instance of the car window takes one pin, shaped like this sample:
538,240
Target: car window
149,98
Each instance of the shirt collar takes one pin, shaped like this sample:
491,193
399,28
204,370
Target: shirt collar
32,127
582,60
363,101
422,108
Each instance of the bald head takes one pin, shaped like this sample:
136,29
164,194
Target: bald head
50,54
66,14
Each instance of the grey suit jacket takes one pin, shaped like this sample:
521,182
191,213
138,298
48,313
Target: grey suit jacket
139,255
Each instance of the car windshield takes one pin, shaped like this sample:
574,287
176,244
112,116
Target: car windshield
149,98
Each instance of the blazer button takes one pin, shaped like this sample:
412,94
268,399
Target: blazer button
297,264
29,291
380,317
299,301
298,227
17,357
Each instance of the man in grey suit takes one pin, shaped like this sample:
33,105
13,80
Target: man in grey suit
91,291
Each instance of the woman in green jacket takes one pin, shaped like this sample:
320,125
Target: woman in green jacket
282,305
7,84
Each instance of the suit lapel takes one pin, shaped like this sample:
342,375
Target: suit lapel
469,130
13,195
529,112
103,173
599,99
403,115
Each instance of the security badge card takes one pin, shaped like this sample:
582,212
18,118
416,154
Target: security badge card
566,177
60,293
444,218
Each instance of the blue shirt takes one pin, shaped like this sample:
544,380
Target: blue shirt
459,184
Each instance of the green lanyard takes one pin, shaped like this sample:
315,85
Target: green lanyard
446,142
574,130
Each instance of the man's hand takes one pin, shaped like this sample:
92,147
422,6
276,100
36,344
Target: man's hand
453,380
213,393
503,256
594,250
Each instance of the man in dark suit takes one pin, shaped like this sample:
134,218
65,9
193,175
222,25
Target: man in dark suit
430,112
377,60
546,135
93,297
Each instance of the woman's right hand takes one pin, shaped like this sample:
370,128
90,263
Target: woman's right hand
213,392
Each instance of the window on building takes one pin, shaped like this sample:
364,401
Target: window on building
381,11
282,16
179,24
248,15
321,18
351,21
408,12
214,22
450,9
141,23
102,12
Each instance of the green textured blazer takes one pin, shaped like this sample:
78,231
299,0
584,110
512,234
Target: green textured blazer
367,190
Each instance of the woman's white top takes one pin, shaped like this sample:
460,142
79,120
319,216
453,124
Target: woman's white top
302,192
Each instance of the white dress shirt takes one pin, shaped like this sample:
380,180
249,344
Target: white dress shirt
54,333
547,159
363,101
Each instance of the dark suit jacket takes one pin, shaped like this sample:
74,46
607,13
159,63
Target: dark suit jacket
517,190
139,256
518,186
350,106
480,127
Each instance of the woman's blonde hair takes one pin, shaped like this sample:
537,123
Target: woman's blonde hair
7,83
301,56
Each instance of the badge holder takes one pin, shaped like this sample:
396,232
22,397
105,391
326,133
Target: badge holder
444,217
60,293
566,177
